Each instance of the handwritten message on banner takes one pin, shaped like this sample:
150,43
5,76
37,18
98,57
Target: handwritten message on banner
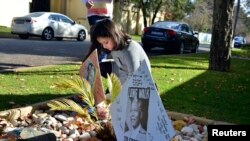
138,113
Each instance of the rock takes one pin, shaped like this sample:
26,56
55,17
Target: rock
198,137
187,131
84,136
177,138
194,127
72,136
29,133
179,124
42,115
60,117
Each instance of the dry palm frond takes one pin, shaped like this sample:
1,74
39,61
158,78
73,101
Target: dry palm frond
87,94
75,83
114,86
69,105
79,86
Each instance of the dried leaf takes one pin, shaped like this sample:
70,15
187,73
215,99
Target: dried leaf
69,105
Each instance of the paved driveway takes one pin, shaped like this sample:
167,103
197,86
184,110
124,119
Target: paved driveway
16,53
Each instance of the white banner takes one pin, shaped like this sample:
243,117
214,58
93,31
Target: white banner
138,113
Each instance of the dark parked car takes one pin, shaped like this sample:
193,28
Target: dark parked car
239,41
174,37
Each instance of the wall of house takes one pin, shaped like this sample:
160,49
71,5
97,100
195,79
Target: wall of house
13,8
55,6
75,9
78,12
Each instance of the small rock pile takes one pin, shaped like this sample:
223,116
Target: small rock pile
66,126
188,130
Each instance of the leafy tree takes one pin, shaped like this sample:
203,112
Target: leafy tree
241,19
201,17
148,6
175,9
220,50
243,24
246,5
179,9
247,23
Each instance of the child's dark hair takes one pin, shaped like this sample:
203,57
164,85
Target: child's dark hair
107,28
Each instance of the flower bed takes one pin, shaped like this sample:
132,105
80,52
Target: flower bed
40,121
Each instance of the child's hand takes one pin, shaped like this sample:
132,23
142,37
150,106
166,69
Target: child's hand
102,111
89,4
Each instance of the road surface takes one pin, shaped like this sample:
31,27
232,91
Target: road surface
16,53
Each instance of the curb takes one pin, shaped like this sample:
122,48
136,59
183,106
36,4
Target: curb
200,120
22,69
8,36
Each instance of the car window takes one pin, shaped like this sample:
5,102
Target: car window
185,28
64,19
166,25
236,38
53,17
240,39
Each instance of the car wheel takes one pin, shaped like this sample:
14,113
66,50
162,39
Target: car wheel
196,48
23,36
47,34
81,35
180,50
59,38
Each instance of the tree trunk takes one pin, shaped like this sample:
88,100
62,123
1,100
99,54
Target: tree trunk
236,17
220,48
137,22
144,14
117,11
156,11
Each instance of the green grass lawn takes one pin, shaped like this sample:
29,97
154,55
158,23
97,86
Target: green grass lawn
184,83
4,30
242,52
187,86
136,38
